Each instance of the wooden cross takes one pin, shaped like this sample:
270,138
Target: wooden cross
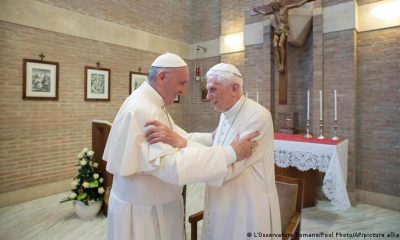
98,64
41,56
280,10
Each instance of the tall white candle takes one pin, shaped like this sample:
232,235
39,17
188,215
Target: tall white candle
246,95
308,104
320,104
257,97
334,93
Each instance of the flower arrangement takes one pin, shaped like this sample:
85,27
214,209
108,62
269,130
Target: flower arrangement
87,185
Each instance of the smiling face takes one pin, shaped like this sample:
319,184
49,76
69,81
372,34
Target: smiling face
222,94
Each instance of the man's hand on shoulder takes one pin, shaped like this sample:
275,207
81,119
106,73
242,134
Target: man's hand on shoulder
159,132
244,147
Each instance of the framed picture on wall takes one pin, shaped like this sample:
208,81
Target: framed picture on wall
97,84
135,80
177,98
40,80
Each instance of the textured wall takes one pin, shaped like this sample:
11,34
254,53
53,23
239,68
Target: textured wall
164,17
205,19
378,164
340,72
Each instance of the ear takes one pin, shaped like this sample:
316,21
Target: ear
161,77
235,89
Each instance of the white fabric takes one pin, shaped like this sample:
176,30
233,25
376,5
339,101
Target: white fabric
169,60
144,221
148,178
330,159
225,67
247,202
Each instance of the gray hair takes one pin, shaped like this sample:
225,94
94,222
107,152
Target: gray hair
226,77
153,72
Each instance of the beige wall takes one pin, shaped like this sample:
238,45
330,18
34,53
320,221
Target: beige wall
378,165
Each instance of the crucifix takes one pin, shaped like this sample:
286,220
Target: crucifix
280,9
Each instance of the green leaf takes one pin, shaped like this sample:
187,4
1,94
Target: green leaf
93,184
81,196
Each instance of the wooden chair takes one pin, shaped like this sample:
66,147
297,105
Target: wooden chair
290,194
100,131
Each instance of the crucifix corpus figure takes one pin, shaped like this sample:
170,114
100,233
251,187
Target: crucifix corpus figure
280,9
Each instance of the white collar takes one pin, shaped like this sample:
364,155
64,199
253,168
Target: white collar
234,110
153,94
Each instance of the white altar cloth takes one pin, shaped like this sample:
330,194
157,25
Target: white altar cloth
328,158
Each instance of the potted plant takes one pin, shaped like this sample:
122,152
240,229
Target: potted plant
86,188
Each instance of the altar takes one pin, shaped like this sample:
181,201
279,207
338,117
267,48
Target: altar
309,155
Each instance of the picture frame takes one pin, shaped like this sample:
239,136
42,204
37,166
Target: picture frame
177,98
40,80
97,84
203,91
135,80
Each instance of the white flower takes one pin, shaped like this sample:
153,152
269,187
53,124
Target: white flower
83,162
90,153
85,150
90,163
85,185
95,176
101,180
100,190
72,196
74,184
95,165
80,155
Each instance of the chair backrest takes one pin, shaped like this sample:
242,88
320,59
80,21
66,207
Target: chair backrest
100,131
290,194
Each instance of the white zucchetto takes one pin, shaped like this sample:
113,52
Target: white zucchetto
169,60
225,67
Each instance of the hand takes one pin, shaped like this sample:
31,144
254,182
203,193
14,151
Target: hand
244,147
159,132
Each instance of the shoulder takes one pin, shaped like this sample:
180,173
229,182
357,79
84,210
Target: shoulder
255,109
137,106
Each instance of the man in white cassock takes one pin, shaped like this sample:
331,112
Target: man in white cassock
145,200
247,203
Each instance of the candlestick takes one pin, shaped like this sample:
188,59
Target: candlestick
334,93
308,135
308,104
321,130
320,105
257,97
335,137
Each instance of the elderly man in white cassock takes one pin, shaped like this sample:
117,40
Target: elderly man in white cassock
145,201
247,202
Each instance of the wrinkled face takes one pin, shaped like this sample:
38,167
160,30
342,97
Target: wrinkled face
222,95
173,83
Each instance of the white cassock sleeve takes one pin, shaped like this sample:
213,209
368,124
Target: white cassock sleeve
193,164
262,122
205,139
